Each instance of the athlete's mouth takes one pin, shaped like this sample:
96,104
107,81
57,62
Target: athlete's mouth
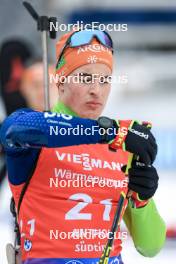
94,103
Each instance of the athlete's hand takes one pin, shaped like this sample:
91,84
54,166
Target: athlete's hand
13,256
136,139
141,142
143,180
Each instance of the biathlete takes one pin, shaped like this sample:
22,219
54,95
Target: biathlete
60,223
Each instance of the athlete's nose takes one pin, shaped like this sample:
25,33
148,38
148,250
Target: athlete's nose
95,88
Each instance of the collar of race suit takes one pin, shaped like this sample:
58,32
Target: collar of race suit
60,107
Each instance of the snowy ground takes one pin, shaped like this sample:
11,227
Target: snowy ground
165,203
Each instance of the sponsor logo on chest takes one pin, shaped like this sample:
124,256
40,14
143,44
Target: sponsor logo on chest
87,162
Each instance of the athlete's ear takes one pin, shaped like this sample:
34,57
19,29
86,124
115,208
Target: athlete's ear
60,89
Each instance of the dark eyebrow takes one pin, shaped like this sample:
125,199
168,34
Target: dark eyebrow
85,74
91,74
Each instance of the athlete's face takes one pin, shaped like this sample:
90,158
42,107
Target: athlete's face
86,90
